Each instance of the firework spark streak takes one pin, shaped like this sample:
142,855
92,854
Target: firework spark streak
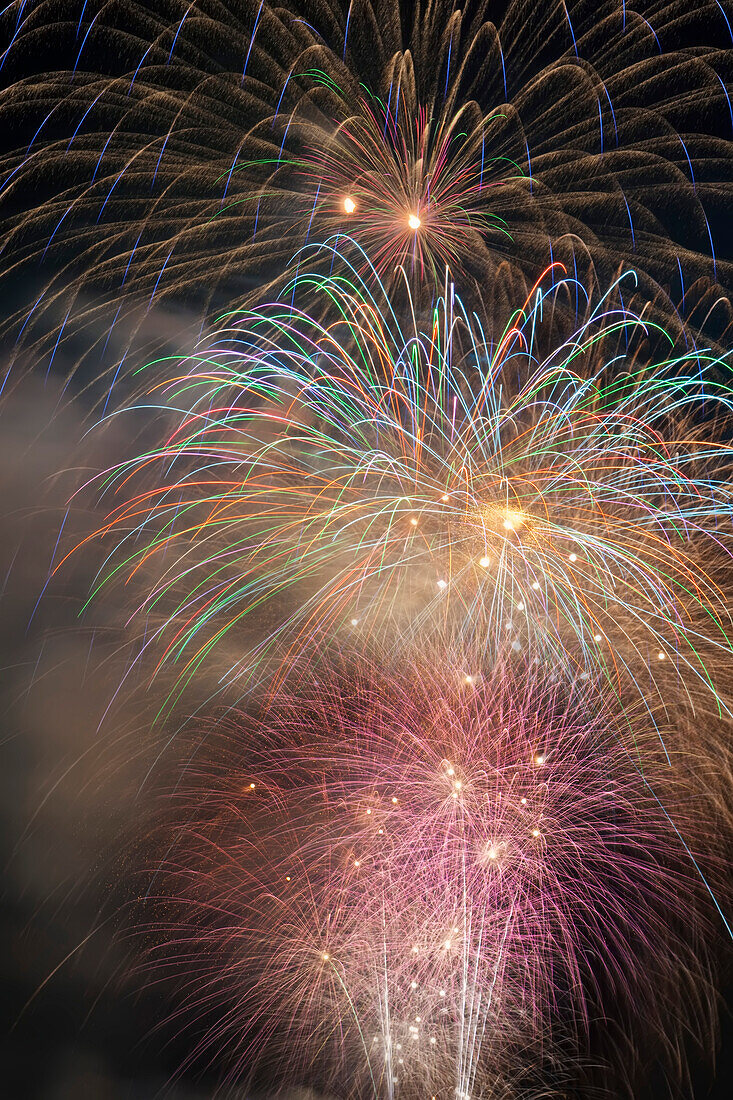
423,885
359,480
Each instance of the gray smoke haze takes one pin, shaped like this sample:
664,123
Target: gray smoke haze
74,764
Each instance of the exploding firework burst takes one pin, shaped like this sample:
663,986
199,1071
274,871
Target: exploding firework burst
424,873
200,144
359,481
396,883
410,188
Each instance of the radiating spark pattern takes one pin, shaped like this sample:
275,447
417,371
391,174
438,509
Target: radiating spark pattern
418,187
183,153
360,480
463,559
422,887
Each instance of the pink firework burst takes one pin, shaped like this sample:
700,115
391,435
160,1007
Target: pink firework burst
423,881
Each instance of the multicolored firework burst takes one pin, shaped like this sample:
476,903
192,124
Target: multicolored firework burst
185,153
393,883
472,579
411,188
359,480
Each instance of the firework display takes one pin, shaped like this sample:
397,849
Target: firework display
184,152
414,885
423,543
474,583
363,481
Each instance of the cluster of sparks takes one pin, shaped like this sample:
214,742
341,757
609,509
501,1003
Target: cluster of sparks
357,480
467,584
415,190
401,883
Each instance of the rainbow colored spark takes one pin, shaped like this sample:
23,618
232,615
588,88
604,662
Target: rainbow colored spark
353,479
